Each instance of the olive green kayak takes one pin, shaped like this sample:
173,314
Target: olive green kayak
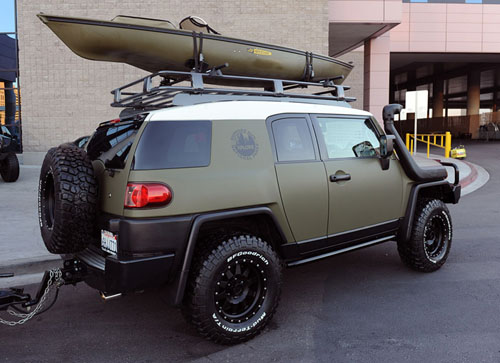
155,45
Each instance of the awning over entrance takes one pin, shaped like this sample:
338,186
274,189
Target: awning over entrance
344,37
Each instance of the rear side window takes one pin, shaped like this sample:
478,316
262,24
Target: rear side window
174,144
293,140
111,143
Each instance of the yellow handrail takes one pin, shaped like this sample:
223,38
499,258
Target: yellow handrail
444,142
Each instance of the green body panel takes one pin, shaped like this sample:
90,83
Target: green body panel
372,195
154,47
304,192
229,182
304,202
407,186
111,188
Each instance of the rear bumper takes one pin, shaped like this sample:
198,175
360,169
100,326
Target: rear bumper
113,275
148,236
149,253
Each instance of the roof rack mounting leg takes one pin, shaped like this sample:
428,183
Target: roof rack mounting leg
340,93
197,81
278,87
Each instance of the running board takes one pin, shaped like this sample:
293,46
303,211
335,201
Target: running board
343,250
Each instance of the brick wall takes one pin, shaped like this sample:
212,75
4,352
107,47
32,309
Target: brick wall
356,77
65,96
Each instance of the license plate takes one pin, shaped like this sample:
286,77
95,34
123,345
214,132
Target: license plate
109,242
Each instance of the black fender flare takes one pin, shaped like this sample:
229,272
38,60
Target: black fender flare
198,221
452,195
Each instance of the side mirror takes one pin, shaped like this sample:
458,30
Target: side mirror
386,146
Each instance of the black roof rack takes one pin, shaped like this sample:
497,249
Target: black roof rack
169,85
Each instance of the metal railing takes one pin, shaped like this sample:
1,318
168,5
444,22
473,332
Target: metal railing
442,141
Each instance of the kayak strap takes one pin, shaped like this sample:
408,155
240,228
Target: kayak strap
308,74
197,63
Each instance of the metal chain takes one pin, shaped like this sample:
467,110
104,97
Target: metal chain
55,280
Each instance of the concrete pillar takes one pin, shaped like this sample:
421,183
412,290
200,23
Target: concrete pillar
437,91
392,88
473,92
446,100
412,80
496,80
376,75
473,101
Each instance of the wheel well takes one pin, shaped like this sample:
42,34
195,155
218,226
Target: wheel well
259,225
435,192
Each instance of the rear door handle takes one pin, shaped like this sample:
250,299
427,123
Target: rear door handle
340,177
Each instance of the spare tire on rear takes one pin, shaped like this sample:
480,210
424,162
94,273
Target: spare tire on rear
67,199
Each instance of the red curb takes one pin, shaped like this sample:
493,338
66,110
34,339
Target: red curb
471,177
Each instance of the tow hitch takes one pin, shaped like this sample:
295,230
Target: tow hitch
19,304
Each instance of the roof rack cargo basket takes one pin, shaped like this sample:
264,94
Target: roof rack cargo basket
160,89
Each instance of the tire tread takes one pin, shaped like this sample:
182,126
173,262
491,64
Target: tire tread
210,252
77,194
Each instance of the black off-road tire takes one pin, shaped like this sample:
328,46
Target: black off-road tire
67,200
255,271
430,242
9,168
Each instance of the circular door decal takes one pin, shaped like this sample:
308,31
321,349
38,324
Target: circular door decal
244,144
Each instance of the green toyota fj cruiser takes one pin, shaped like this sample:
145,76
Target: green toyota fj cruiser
211,191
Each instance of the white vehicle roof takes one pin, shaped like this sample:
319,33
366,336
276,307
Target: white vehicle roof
246,110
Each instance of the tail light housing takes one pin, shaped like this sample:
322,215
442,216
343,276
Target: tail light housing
141,195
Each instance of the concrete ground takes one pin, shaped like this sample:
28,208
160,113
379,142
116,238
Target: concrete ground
363,306
21,247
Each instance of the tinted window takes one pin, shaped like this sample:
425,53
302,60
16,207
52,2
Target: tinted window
5,131
174,144
347,137
293,140
111,143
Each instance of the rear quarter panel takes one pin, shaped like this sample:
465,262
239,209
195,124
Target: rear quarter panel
231,180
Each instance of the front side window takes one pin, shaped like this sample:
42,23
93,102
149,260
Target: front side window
349,137
174,144
293,140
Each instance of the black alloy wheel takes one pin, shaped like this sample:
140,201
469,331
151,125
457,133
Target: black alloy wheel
48,201
435,241
240,289
430,242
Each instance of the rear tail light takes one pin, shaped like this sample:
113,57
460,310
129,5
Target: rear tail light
140,195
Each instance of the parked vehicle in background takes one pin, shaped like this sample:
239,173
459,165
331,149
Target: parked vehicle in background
9,164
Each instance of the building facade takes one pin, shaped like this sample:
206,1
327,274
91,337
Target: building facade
450,48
